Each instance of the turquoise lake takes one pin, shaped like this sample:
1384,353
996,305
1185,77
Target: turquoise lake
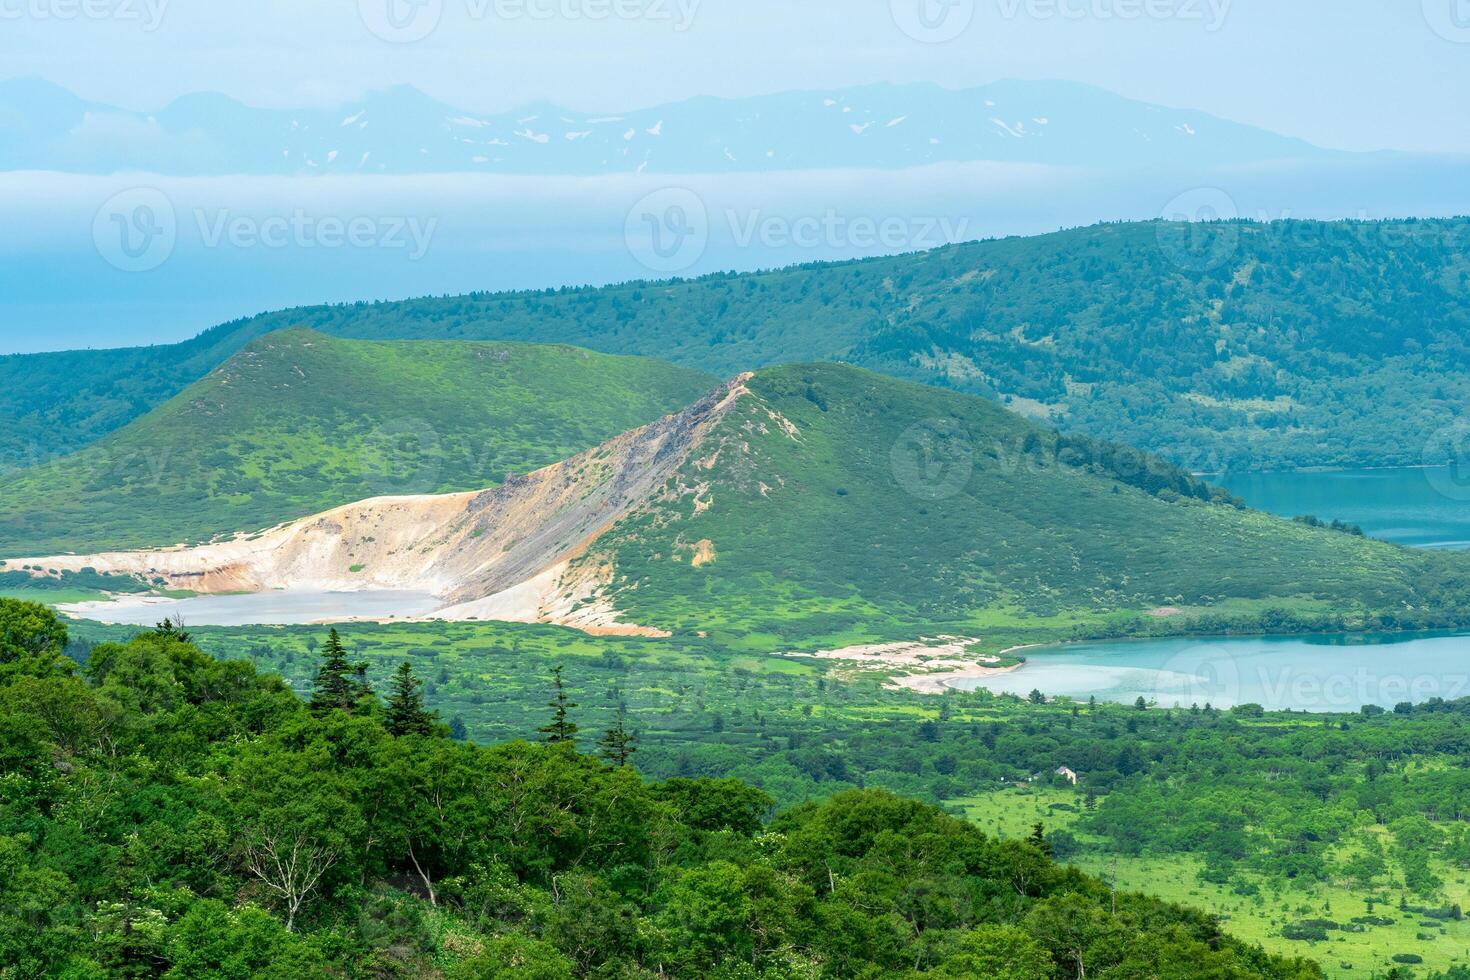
1421,508
1314,673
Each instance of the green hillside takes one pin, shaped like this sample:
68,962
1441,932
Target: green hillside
1290,343
298,422
840,504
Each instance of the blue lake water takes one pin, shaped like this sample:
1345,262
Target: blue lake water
1314,673
1422,508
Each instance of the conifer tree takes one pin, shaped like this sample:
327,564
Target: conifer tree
617,745
562,730
173,629
334,686
406,714
360,687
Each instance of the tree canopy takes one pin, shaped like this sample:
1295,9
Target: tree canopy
167,814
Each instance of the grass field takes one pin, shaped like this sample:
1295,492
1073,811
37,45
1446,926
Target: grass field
1257,918
51,596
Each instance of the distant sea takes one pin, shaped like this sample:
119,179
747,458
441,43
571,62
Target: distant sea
205,250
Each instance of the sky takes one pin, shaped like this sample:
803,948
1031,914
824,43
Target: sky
1345,74
1349,74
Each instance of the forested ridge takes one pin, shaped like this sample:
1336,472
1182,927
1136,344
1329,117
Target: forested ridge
165,813
1290,343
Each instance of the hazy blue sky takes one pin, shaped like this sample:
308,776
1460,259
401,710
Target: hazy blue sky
1354,74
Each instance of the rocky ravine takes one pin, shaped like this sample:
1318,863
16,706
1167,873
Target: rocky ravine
508,553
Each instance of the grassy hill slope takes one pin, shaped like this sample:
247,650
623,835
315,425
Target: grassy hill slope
56,402
834,504
1291,343
299,421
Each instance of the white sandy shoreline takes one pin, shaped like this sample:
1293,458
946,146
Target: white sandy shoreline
925,666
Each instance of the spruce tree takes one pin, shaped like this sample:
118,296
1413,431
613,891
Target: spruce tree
360,687
617,745
562,730
334,687
406,714
172,629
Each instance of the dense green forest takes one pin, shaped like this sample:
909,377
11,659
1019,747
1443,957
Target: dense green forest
1292,343
1339,837
299,422
166,813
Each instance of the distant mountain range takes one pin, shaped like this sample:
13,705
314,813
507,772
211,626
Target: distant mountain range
403,131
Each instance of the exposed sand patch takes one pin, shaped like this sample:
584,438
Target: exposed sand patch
939,652
704,553
941,683
926,666
567,594
385,539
